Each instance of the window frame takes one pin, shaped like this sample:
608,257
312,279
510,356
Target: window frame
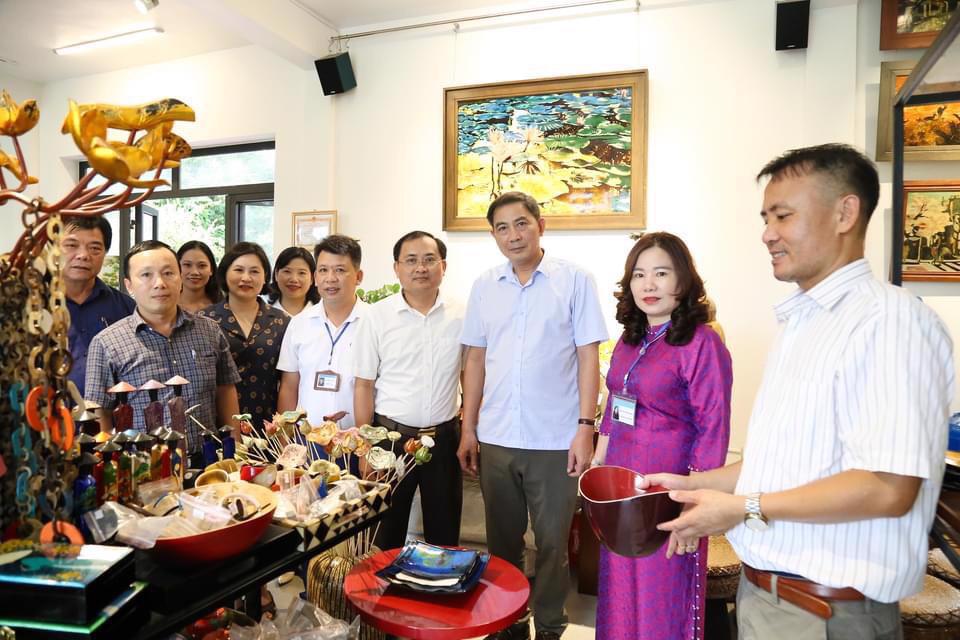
235,196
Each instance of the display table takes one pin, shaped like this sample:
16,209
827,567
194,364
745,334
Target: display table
497,601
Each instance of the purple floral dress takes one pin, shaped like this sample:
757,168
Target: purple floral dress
682,423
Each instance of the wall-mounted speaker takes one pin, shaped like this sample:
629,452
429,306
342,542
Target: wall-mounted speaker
793,22
336,73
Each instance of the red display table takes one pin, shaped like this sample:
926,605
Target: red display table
495,603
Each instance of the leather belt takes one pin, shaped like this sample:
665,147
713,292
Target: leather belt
810,596
412,432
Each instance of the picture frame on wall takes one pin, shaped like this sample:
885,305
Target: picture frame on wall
577,145
931,225
913,24
930,131
310,227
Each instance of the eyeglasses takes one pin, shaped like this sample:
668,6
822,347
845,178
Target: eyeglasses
429,262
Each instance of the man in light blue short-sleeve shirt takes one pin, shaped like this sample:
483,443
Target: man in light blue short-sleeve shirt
532,327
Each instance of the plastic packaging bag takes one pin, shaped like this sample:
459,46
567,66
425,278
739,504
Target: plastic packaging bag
151,492
105,521
143,532
203,512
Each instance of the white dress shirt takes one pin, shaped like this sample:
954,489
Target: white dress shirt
415,360
308,349
531,333
277,305
861,377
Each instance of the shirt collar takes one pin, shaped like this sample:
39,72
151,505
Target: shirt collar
183,317
828,292
545,267
401,304
318,311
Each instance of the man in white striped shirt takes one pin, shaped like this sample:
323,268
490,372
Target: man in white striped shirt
830,508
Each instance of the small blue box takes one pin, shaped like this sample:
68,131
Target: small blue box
953,444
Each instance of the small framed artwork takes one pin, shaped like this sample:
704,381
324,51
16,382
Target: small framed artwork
310,227
930,131
577,145
931,230
913,24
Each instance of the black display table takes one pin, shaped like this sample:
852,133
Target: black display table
177,596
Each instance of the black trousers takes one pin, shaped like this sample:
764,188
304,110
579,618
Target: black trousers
441,495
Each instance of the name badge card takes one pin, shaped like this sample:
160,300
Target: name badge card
326,381
624,409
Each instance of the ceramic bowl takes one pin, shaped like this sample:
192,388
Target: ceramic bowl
225,542
623,515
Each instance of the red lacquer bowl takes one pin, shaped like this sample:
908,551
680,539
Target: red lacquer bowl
225,542
624,516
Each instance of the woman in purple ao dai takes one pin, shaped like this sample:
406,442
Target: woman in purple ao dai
668,410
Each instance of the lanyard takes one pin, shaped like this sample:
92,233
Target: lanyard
334,341
643,351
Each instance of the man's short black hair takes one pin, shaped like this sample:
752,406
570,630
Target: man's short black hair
848,169
90,223
413,235
509,198
339,245
146,245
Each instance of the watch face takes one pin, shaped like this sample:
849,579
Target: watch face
756,524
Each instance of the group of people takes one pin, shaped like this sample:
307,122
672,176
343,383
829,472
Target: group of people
828,510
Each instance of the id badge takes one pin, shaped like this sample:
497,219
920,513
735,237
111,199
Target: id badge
326,381
624,409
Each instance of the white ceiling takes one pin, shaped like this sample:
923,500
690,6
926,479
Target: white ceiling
296,29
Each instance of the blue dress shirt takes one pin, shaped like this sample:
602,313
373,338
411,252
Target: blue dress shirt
531,333
104,306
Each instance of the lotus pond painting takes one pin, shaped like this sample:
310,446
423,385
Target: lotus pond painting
577,145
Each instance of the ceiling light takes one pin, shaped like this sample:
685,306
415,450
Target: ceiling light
109,41
143,6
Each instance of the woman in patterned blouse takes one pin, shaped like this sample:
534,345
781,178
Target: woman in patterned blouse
253,328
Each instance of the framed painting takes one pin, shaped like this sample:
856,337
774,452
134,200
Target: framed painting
310,227
577,145
930,131
931,230
913,24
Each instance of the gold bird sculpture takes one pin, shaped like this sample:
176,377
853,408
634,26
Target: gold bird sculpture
16,120
141,117
13,166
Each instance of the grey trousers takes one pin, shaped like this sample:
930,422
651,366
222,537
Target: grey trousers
761,616
516,482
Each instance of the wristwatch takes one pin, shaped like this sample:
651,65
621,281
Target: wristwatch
753,518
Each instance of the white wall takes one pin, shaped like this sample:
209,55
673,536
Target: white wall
722,103
20,91
239,95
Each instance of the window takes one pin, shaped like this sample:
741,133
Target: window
220,195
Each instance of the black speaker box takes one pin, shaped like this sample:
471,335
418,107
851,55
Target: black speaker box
793,22
336,73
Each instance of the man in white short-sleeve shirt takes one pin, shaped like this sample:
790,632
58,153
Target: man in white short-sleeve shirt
408,363
830,508
316,357
533,327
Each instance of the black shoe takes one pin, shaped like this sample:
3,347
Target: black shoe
516,631
547,635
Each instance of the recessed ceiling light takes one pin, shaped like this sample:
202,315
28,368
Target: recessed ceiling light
143,6
109,41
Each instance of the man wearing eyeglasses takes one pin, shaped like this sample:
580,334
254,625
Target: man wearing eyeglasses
407,365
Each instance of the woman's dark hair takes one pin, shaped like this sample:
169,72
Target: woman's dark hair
691,311
211,289
287,256
243,249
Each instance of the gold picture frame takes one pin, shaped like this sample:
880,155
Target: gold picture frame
310,227
922,123
931,225
577,144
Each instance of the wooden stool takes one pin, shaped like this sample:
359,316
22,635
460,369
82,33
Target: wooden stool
932,614
723,577
940,567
